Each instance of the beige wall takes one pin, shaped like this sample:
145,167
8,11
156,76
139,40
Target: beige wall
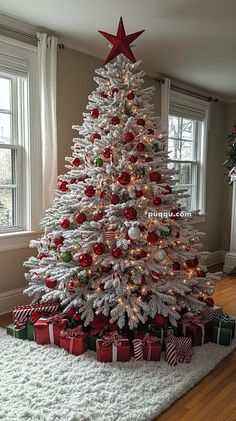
75,82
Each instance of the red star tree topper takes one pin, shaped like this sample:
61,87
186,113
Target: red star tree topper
121,42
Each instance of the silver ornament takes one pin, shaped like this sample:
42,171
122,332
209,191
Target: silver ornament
134,233
160,255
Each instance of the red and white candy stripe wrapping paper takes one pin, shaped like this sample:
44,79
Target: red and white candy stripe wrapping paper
23,313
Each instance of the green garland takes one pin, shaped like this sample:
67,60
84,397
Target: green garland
230,163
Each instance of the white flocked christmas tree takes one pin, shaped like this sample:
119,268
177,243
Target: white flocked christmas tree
114,240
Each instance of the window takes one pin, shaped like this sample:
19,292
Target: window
13,111
20,149
187,145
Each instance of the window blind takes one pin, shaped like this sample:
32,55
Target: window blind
185,106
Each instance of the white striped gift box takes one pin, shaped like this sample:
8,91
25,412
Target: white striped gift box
23,313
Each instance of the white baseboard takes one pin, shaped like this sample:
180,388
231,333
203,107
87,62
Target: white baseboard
216,257
9,299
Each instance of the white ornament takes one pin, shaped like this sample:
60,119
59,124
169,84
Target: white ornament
134,233
160,255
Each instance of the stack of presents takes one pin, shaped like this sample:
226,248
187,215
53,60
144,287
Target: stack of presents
46,323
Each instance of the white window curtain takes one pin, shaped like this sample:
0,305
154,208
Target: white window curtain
47,55
165,101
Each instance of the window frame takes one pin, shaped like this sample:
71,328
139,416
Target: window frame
200,162
30,168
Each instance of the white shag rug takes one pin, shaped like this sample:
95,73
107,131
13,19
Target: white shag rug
44,383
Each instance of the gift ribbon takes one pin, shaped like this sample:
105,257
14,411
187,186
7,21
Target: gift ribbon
218,335
51,333
71,334
58,319
18,324
115,340
196,321
184,356
149,340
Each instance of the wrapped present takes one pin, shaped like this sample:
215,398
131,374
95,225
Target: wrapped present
227,322
138,349
99,326
171,348
48,329
73,340
151,346
197,328
185,356
113,347
184,343
23,313
221,335
19,332
160,332
30,331
210,313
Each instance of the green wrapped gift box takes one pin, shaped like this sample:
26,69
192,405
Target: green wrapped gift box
160,332
221,335
20,333
30,331
225,321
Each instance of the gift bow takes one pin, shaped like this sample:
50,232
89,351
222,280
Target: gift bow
113,338
185,356
148,339
196,320
72,333
18,324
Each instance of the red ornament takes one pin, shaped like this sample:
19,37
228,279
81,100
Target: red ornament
157,201
80,218
114,199
155,176
89,191
115,120
114,91
107,152
62,185
133,159
168,190
65,223
140,122
150,131
99,248
130,214
59,240
210,302
176,266
41,256
175,214
75,162
152,238
76,317
148,159
138,193
70,312
155,276
121,42
140,147
201,273
116,252
141,254
50,283
95,136
103,94
98,216
160,320
192,263
102,194
124,178
94,113
129,136
85,260
131,96
106,269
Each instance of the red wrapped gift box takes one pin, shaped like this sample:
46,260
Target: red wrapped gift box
197,328
113,347
73,340
48,329
151,346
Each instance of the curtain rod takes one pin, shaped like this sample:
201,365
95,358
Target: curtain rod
60,46
161,80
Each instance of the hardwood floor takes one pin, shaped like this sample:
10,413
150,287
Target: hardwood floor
214,397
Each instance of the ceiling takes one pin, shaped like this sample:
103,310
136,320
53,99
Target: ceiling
191,40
